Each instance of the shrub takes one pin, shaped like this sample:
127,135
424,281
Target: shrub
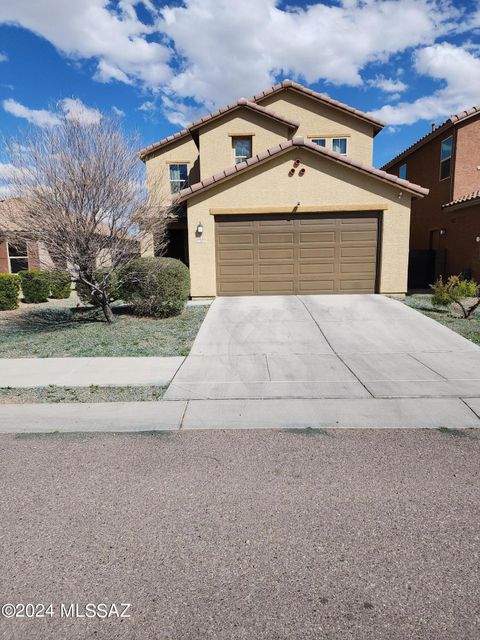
60,284
35,285
85,294
9,290
156,287
456,291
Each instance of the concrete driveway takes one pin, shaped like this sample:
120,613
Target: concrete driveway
352,346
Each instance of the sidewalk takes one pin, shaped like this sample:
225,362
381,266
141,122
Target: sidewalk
83,372
173,415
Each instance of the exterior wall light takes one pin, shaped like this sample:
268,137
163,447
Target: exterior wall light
199,228
443,232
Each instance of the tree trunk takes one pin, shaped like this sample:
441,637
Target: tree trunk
107,312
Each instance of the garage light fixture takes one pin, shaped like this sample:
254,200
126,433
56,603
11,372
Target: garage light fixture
199,228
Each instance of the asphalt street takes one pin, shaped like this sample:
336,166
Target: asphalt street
365,535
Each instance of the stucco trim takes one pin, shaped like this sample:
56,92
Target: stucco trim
301,209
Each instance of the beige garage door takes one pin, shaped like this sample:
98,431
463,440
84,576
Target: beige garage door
282,254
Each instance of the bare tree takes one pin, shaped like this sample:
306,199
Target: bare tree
79,190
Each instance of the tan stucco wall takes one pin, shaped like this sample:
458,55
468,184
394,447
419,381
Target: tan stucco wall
320,120
158,176
216,148
325,184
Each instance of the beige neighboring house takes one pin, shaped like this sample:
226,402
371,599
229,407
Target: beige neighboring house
16,254
277,195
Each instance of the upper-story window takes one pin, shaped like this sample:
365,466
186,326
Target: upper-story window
446,158
339,145
242,148
402,171
18,256
322,142
178,177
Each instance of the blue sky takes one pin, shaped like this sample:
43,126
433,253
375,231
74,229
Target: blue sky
159,65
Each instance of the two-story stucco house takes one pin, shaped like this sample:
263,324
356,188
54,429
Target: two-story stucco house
280,197
445,227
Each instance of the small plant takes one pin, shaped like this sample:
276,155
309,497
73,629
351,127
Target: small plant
456,291
9,290
157,287
60,284
35,285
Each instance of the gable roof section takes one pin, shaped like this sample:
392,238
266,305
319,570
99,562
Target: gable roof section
442,128
465,201
194,126
283,147
321,97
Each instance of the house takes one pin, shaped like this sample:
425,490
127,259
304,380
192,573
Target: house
445,225
17,254
277,195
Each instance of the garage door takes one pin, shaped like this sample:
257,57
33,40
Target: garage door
282,254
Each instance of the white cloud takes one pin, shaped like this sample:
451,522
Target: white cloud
388,85
70,108
74,109
39,117
147,106
230,49
178,112
83,29
460,72
3,57
118,112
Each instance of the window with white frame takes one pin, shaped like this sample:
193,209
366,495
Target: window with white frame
178,177
339,145
242,148
446,158
322,142
17,256
402,171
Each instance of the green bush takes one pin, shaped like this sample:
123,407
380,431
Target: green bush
457,291
60,284
9,290
35,285
156,287
84,292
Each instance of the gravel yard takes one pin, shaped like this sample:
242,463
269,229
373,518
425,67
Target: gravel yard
59,328
351,535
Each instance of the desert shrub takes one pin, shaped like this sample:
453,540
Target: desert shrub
35,285
9,290
156,287
85,294
60,284
456,291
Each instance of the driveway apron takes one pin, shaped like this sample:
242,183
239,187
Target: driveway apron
328,346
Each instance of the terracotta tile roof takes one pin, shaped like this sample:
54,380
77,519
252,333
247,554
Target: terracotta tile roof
458,117
468,199
298,141
196,124
289,84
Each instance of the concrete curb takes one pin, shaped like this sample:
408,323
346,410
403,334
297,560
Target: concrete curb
173,415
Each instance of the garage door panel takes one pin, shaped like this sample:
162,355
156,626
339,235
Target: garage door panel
268,269
276,254
288,254
311,237
235,254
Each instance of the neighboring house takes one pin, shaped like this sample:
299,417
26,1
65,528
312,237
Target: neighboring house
15,254
278,195
445,226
